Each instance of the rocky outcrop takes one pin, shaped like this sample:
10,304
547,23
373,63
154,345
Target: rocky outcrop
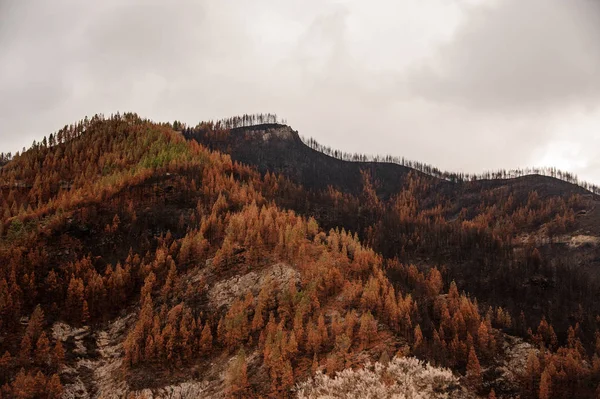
96,370
274,133
506,374
224,292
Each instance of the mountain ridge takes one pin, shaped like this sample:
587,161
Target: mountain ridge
298,142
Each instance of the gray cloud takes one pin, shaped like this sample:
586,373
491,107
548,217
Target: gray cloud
518,55
462,84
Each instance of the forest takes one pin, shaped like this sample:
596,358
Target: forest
121,218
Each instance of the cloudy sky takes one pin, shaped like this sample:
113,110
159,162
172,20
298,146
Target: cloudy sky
467,85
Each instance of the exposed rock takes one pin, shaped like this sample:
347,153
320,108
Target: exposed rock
581,240
211,387
107,369
284,133
62,331
74,373
511,365
224,292
76,390
280,133
99,376
185,390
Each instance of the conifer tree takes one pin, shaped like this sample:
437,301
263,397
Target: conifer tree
206,339
58,354
473,370
418,338
54,388
545,385
237,377
42,349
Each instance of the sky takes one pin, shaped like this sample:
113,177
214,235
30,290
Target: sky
465,85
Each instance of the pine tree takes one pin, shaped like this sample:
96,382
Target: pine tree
322,329
473,370
435,282
75,298
237,377
368,328
315,364
545,385
292,346
54,388
287,376
36,323
26,347
23,385
418,338
5,362
39,383
149,348
313,338
85,313
42,349
58,354
483,338
532,372
206,339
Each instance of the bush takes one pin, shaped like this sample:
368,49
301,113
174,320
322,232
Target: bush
401,378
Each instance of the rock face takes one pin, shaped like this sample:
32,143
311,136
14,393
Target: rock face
581,240
511,366
185,390
96,371
107,370
75,372
224,292
273,133
212,385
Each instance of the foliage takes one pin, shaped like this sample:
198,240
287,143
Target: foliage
407,378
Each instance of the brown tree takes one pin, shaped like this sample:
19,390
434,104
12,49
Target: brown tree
58,354
545,385
206,339
473,370
237,377
42,349
54,388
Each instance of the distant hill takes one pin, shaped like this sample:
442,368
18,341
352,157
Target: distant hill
278,148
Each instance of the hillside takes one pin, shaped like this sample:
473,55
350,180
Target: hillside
502,218
137,261
278,148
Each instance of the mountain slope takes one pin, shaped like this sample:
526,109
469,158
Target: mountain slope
135,262
484,231
279,149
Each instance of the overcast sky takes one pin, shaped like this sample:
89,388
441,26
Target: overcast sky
467,85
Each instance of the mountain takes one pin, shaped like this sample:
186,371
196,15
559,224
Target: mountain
278,148
506,218
143,259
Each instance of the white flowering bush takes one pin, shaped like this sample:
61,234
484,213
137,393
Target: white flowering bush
401,378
